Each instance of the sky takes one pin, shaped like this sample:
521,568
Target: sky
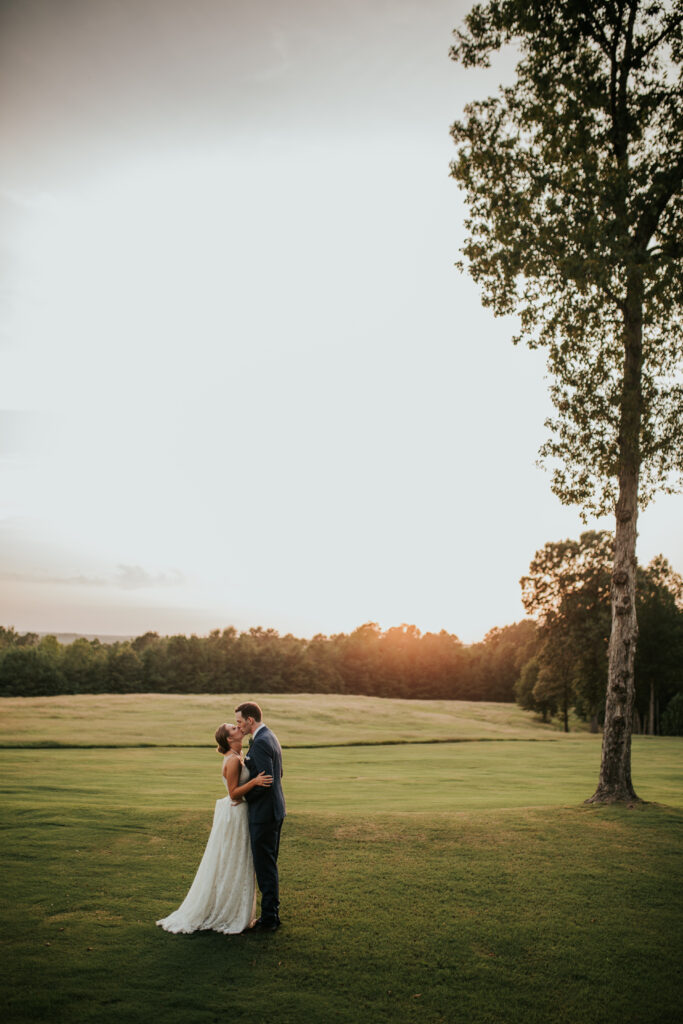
241,381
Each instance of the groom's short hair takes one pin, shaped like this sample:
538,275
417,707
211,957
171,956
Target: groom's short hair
249,710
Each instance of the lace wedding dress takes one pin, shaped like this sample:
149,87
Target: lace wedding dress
222,897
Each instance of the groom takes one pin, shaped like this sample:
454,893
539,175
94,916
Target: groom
266,811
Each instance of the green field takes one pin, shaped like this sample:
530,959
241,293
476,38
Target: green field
458,882
299,719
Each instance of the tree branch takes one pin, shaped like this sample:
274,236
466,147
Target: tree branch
654,43
664,187
598,35
625,70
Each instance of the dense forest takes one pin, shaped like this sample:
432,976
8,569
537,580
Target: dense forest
400,662
551,664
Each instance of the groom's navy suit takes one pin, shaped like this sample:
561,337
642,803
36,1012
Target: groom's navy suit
266,814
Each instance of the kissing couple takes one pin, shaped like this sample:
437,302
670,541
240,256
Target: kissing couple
245,837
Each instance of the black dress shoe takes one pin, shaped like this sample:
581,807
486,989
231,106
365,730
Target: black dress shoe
264,926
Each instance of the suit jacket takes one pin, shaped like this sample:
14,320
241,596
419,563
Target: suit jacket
266,803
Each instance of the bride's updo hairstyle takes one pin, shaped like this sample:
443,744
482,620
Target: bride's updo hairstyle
223,737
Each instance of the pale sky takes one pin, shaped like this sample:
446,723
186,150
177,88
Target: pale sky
242,381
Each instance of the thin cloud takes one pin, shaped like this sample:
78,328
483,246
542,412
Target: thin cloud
44,578
127,577
134,577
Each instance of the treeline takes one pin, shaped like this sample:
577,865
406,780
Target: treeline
399,662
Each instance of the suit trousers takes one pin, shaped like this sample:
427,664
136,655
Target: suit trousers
265,844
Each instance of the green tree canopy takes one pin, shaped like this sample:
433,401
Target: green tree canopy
568,590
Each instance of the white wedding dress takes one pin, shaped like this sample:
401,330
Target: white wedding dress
223,895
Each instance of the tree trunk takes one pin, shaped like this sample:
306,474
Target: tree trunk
615,770
651,718
594,722
614,783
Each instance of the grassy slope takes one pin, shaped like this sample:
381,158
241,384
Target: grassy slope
298,719
444,883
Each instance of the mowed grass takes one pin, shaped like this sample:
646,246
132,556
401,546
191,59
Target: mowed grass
298,719
442,778
567,917
459,882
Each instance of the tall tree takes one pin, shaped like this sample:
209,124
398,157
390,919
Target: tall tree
567,589
557,674
574,179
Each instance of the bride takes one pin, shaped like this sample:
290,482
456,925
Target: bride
222,896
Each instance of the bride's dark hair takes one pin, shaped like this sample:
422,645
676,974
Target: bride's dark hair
223,737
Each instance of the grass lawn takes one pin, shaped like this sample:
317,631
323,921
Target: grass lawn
443,778
298,719
458,882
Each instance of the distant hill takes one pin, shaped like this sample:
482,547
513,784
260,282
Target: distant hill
104,638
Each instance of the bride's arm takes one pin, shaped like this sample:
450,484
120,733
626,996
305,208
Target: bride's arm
231,771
